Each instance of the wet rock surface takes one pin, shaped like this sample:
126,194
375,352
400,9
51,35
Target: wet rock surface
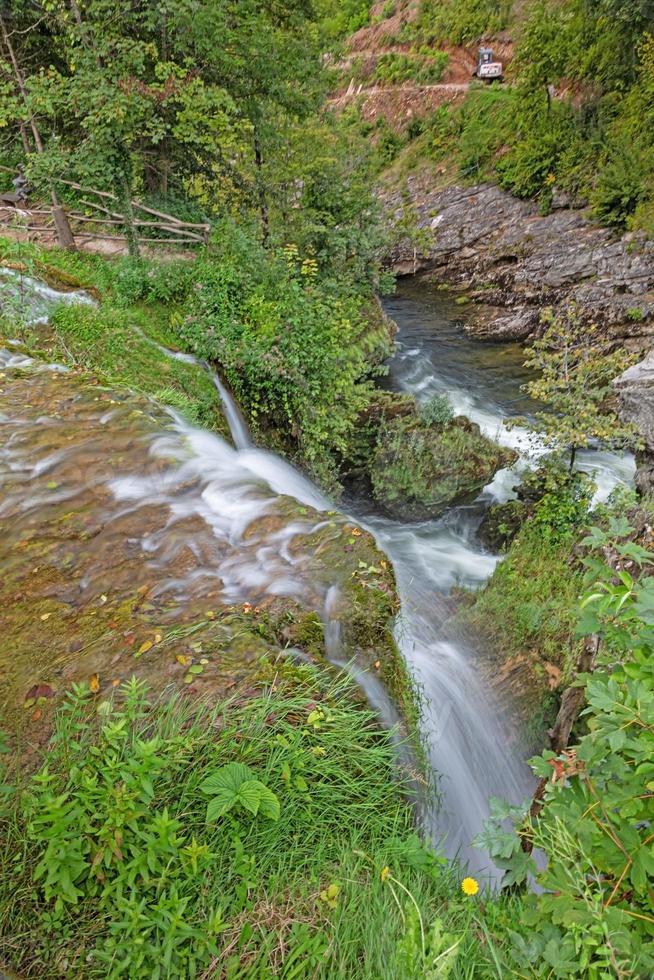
635,391
516,260
132,543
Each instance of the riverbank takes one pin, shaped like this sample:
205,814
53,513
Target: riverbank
510,261
151,552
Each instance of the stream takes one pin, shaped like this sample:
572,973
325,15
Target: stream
210,517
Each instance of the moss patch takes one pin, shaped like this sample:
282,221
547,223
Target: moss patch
525,620
418,470
80,601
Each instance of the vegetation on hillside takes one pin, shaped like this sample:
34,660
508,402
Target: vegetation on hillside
575,114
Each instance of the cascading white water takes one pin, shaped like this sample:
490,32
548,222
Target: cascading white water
238,427
194,480
467,748
32,300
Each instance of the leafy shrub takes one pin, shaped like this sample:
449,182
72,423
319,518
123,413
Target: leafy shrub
341,17
437,410
564,506
593,916
424,68
289,341
621,186
459,21
137,280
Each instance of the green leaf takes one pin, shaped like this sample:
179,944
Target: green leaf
249,795
268,803
228,777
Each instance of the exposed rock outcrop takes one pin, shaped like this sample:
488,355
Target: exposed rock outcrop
515,260
635,389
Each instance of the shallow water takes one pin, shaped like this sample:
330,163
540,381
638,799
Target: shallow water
474,752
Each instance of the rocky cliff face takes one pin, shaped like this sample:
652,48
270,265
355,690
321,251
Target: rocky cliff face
635,390
515,261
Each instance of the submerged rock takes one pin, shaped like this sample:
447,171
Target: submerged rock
418,470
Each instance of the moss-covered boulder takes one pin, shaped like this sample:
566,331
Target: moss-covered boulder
417,470
501,523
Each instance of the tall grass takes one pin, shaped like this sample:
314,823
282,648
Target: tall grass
109,868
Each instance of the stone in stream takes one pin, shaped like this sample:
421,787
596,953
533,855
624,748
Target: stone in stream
418,470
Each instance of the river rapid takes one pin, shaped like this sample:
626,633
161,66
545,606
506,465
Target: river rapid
198,495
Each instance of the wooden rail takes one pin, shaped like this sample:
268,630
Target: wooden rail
39,220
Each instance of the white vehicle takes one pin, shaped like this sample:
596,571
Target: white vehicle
487,69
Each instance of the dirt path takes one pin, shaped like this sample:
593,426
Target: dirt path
408,87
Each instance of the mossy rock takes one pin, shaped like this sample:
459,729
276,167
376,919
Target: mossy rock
382,407
501,523
418,470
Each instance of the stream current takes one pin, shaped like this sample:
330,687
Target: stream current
195,475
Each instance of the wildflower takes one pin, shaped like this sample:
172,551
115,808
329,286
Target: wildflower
386,873
469,886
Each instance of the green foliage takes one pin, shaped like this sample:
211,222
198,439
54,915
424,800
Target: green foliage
578,114
594,915
114,341
291,344
341,17
459,21
576,367
5,788
234,786
424,66
564,506
437,410
109,863
135,101
529,603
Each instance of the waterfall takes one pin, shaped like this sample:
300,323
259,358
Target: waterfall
209,520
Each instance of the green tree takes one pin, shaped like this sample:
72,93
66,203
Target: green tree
576,366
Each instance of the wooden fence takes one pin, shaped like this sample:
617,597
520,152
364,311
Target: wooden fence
102,219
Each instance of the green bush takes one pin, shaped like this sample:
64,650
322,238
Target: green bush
459,21
593,915
290,342
425,68
437,410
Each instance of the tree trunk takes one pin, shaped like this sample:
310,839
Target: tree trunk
64,234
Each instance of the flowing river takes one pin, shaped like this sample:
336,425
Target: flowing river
211,518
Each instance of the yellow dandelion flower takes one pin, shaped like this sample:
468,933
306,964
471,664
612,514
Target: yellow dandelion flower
385,873
469,886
